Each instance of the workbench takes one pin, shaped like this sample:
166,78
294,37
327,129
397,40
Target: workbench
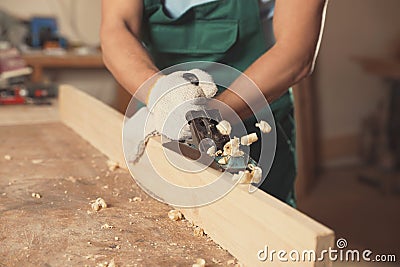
60,228
64,161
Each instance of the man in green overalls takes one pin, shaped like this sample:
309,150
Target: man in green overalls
144,36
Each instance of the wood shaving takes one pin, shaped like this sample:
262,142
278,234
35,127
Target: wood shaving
175,215
223,160
107,226
264,127
227,149
256,175
37,161
99,204
107,264
112,166
199,263
36,195
71,179
236,148
7,157
211,151
218,153
249,139
198,231
224,127
230,262
215,261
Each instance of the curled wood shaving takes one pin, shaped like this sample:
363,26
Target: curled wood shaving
175,215
224,160
264,127
36,195
107,226
197,231
135,199
236,152
211,151
224,127
99,204
199,263
249,139
112,166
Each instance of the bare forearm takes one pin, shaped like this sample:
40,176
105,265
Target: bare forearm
273,73
126,58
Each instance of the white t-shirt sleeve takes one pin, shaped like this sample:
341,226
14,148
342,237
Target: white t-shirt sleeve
176,8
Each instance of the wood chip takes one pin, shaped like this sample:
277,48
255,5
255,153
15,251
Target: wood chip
99,204
211,151
224,160
198,231
175,215
112,166
7,157
199,263
224,127
36,195
230,262
107,226
71,179
264,127
137,199
244,177
249,139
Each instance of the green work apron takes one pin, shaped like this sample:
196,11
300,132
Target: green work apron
228,32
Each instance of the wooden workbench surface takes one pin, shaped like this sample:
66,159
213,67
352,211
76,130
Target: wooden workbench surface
60,229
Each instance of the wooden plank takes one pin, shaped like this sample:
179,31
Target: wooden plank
240,222
28,114
94,121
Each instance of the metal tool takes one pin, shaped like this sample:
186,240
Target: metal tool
204,135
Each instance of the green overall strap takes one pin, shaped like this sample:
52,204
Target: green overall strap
228,32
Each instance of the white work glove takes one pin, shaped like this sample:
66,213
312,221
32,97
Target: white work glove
168,92
174,95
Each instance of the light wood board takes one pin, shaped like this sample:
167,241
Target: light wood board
240,222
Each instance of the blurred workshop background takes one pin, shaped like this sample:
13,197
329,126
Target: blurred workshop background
349,131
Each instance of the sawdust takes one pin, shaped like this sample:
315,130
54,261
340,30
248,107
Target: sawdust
37,161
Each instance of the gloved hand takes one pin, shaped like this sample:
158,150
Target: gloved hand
173,95
186,90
